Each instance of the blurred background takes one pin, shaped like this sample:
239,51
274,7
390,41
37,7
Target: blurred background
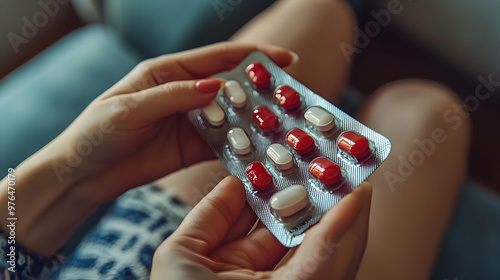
454,42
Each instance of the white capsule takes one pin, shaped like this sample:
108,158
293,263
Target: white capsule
289,201
320,118
281,157
239,141
213,113
235,93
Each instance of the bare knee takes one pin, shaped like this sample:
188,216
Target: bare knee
417,106
428,162
419,119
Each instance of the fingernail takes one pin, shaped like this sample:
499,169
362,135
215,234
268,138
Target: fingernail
295,57
210,85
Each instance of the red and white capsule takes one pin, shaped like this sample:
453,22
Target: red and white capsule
287,97
325,170
354,144
265,119
259,75
258,175
300,141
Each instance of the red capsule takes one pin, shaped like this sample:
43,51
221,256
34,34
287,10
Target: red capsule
300,141
354,144
265,119
325,170
259,176
288,98
259,75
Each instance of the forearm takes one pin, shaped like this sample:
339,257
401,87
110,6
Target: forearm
46,206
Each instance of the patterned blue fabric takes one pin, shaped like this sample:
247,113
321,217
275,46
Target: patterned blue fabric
27,264
122,245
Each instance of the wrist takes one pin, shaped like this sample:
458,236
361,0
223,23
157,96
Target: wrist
64,165
44,205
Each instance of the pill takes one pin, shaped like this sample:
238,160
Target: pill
213,113
325,170
354,144
280,156
259,176
265,119
320,118
259,75
235,93
300,141
289,200
287,97
239,141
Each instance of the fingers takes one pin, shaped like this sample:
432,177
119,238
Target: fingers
242,226
219,57
207,224
195,64
333,248
353,243
167,99
258,251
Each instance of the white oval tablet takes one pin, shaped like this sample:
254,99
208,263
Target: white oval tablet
289,201
235,93
320,118
214,114
239,141
281,157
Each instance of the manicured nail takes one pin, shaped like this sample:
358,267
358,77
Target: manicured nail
295,57
210,85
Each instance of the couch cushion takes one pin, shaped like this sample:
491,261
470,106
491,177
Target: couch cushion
42,97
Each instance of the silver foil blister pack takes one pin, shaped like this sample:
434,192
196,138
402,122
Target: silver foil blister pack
235,113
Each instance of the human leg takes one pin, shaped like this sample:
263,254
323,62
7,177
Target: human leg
416,188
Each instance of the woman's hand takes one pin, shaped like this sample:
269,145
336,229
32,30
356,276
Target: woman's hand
134,133
212,241
138,131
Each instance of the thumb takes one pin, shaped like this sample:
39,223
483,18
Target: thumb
173,97
333,248
205,227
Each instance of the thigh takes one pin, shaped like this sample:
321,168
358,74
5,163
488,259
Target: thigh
313,29
416,189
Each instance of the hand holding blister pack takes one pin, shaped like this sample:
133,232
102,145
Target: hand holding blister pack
296,153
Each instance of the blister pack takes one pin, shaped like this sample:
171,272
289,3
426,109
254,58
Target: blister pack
295,152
